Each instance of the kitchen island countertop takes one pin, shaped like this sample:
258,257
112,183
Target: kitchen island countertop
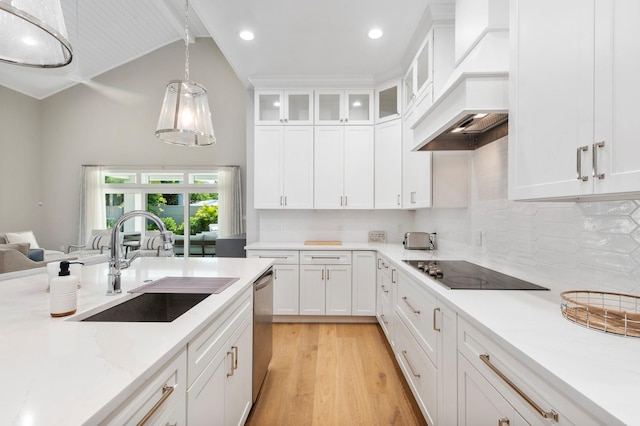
59,371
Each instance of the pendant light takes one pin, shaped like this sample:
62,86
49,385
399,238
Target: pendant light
185,118
33,34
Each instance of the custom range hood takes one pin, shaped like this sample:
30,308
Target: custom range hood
472,109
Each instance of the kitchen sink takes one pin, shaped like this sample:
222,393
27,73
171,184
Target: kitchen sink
150,307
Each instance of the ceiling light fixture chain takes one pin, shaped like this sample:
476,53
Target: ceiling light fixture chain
186,40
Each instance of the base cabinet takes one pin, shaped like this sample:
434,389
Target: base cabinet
363,283
220,390
325,289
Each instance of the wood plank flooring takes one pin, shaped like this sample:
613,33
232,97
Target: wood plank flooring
333,374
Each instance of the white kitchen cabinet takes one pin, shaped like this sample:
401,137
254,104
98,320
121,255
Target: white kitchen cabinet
222,392
479,404
350,107
286,279
343,167
485,365
160,399
283,167
428,73
284,107
388,165
388,101
363,283
385,291
325,289
325,283
584,146
426,342
416,173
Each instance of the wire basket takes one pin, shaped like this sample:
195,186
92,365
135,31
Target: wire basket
609,312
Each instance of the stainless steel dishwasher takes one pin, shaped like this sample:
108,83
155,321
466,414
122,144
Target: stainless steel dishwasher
262,329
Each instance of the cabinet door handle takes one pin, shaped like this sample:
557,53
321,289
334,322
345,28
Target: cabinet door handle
328,274
546,414
415,311
404,354
384,289
579,163
235,358
435,317
341,201
281,200
323,275
398,201
275,274
379,260
286,120
594,154
231,373
394,276
166,393
346,201
503,422
413,198
285,200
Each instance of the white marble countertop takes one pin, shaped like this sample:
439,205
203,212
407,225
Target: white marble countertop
59,371
599,371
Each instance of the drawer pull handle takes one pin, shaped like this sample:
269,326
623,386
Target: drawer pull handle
394,278
384,289
579,163
597,174
435,317
166,393
326,257
384,320
547,415
503,422
404,354
235,358
272,257
415,311
232,363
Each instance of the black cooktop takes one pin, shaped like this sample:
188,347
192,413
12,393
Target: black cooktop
461,275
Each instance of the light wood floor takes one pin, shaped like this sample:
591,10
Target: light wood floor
333,374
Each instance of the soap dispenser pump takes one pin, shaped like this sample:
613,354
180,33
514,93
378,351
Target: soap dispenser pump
63,299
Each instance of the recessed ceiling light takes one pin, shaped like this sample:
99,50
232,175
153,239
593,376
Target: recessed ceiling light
375,33
247,35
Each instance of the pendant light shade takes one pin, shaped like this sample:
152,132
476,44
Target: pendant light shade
33,34
185,118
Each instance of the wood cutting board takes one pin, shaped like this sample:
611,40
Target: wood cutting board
322,243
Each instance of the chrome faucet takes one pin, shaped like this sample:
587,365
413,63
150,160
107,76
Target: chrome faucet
115,263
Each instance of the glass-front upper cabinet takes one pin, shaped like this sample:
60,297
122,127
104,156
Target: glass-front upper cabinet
409,85
344,107
388,103
284,107
423,67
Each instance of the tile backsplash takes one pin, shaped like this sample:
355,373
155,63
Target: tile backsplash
583,245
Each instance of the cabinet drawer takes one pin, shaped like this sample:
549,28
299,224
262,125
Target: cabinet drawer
325,258
421,374
202,349
417,309
158,398
498,366
281,257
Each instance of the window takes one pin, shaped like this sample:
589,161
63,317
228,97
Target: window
172,195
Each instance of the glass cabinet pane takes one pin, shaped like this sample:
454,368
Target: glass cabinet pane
298,107
329,107
359,107
408,88
388,102
269,107
423,66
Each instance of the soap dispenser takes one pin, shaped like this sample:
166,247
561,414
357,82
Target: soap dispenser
63,298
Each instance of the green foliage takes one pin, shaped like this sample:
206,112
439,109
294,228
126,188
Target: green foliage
194,198
204,216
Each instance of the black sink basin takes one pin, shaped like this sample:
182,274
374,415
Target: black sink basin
150,307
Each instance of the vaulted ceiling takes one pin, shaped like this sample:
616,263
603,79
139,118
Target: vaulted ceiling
292,37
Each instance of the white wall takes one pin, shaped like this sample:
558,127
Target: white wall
19,162
82,126
582,245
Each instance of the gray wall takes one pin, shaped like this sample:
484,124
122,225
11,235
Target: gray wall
19,162
83,126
